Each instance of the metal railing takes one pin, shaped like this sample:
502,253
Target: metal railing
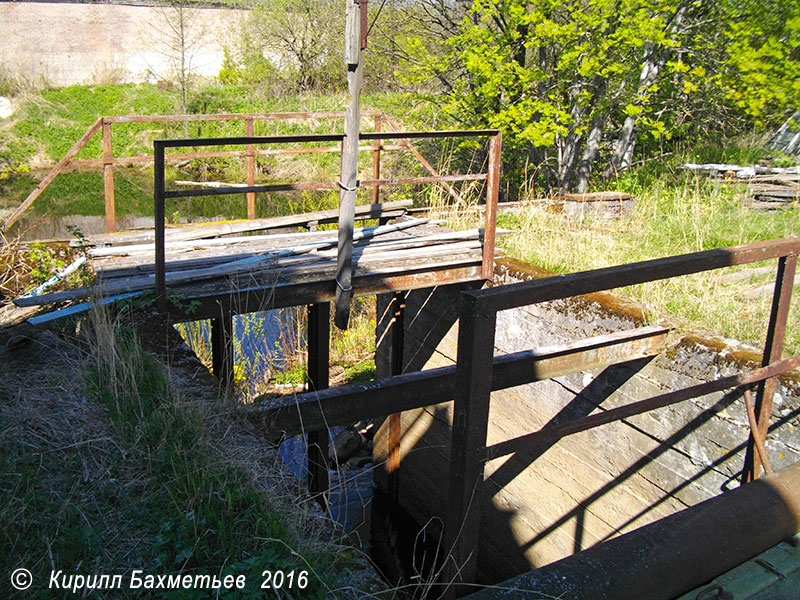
478,372
105,125
491,177
476,335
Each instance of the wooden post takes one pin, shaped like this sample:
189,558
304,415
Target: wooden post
773,348
108,178
355,41
318,379
476,332
398,307
222,346
376,161
251,170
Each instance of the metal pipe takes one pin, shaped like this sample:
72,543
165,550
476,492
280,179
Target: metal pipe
674,555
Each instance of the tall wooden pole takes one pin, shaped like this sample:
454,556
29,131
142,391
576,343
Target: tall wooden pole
355,41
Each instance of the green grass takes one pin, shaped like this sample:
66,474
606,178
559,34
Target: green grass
163,500
674,214
50,121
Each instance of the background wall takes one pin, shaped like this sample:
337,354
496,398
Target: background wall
65,44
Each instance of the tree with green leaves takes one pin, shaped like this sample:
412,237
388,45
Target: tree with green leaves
578,83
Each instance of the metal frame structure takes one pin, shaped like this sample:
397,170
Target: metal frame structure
492,178
109,160
468,385
477,323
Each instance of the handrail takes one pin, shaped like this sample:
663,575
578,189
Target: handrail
108,160
60,166
475,357
492,178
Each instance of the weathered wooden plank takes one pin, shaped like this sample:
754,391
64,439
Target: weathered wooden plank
265,262
210,230
60,165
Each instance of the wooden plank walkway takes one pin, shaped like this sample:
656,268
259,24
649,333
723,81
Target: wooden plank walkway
244,273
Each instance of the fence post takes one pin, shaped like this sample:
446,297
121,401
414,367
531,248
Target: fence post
318,374
476,331
251,170
158,225
222,346
376,161
398,309
492,194
108,178
773,348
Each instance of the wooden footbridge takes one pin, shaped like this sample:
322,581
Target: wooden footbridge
213,271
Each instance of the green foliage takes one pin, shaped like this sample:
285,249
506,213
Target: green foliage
45,262
676,212
570,82
203,516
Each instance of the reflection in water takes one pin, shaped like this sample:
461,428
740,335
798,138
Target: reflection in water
266,344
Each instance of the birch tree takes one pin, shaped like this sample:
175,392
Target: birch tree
574,84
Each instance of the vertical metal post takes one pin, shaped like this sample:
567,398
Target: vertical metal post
158,224
394,421
108,178
251,170
318,379
376,161
476,331
492,195
222,346
773,348
354,58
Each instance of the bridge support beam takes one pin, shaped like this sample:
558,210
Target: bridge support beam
318,379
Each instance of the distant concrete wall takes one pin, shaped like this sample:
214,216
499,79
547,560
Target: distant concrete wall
543,506
64,44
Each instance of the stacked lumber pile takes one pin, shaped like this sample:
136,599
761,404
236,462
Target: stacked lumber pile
774,191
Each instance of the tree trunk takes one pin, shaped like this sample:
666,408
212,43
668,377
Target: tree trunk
654,59
590,150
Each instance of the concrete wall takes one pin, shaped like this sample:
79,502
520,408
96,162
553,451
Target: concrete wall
64,44
540,507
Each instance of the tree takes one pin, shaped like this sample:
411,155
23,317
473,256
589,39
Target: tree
574,81
178,35
303,39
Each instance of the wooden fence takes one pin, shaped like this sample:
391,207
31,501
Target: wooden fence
104,125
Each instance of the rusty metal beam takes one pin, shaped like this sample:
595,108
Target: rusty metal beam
283,294
235,117
673,555
319,185
554,433
318,375
473,389
349,403
773,348
575,284
222,358
145,158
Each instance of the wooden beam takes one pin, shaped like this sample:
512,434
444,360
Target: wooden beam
108,179
222,359
251,170
71,153
348,179
318,380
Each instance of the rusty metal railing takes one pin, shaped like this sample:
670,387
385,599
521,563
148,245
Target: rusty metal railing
476,334
491,176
